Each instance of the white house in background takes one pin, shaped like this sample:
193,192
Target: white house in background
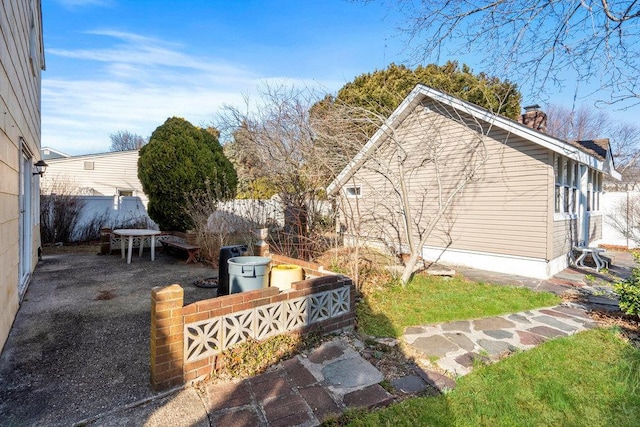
113,174
21,64
48,153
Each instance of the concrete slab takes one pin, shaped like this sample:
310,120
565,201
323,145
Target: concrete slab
350,373
184,408
79,346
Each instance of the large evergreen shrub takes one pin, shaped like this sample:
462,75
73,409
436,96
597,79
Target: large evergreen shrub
178,160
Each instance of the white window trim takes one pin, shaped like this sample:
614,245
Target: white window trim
563,216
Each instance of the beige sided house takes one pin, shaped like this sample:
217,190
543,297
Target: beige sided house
523,197
105,174
21,64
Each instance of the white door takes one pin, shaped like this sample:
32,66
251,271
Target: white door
25,221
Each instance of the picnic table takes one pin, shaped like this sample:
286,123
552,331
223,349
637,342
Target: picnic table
131,233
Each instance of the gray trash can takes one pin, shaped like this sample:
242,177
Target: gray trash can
226,253
247,273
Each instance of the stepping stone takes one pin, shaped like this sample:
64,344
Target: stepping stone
495,348
437,345
499,334
556,314
353,372
462,325
518,318
492,323
572,311
527,338
547,332
414,330
409,384
461,340
468,359
552,321
368,397
438,381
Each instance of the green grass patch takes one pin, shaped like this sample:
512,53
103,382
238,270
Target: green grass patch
386,312
589,379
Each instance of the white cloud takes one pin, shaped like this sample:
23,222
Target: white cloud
137,85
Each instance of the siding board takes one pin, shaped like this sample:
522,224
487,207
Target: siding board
503,212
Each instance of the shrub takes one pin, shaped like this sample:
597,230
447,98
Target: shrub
178,160
629,292
60,210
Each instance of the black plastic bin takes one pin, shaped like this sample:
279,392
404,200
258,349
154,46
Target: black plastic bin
226,253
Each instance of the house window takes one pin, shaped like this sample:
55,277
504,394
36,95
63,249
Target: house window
125,193
567,181
353,191
575,183
89,166
594,188
556,168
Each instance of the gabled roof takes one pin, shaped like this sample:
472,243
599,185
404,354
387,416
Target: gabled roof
94,156
48,153
596,147
595,154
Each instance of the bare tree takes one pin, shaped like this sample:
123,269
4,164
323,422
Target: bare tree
61,207
587,123
579,124
536,39
123,140
276,130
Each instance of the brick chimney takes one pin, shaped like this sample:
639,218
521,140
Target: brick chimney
534,118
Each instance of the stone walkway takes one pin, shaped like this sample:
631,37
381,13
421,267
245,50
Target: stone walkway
455,346
300,391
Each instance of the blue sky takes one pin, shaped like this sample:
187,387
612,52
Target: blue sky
129,64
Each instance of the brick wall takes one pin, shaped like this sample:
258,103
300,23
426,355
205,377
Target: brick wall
187,340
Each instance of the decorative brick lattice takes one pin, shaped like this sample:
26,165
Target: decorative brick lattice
203,339
269,320
340,302
210,337
295,315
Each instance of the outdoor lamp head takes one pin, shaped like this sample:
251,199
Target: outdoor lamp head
40,167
